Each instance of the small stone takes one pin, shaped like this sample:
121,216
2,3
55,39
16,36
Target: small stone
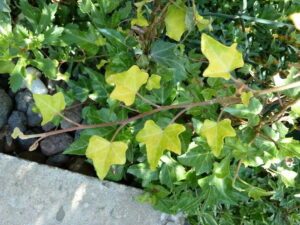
37,87
48,126
10,145
74,115
34,119
59,160
23,100
6,107
55,144
17,119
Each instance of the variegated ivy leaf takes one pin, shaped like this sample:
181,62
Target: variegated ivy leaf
175,21
158,140
222,59
127,84
215,132
49,106
104,154
153,82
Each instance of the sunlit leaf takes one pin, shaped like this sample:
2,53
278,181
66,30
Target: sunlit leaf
287,176
222,59
245,97
158,140
295,17
127,84
49,106
175,21
215,132
104,154
153,82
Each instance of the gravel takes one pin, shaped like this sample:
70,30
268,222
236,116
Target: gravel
33,119
6,107
48,126
17,119
23,100
56,144
74,115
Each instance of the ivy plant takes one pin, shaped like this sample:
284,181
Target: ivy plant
196,102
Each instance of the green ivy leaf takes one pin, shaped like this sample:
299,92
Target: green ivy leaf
143,172
257,193
249,112
199,158
86,6
287,176
171,172
17,75
104,154
158,140
167,54
49,106
215,132
222,59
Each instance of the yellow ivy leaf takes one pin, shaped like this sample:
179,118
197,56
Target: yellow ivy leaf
175,21
158,140
215,132
104,154
127,84
49,106
153,82
201,22
245,97
295,17
222,59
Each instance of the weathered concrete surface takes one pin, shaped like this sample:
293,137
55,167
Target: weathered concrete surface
33,194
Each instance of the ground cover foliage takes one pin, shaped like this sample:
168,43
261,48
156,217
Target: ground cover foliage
194,101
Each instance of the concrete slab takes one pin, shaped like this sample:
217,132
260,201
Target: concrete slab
33,194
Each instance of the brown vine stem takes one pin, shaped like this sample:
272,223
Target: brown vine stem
220,100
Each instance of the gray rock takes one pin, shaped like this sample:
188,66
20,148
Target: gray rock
6,107
48,126
59,160
55,144
23,100
17,119
34,119
74,115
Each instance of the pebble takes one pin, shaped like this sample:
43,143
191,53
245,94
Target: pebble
34,119
59,160
55,144
6,107
17,119
23,100
48,126
74,115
